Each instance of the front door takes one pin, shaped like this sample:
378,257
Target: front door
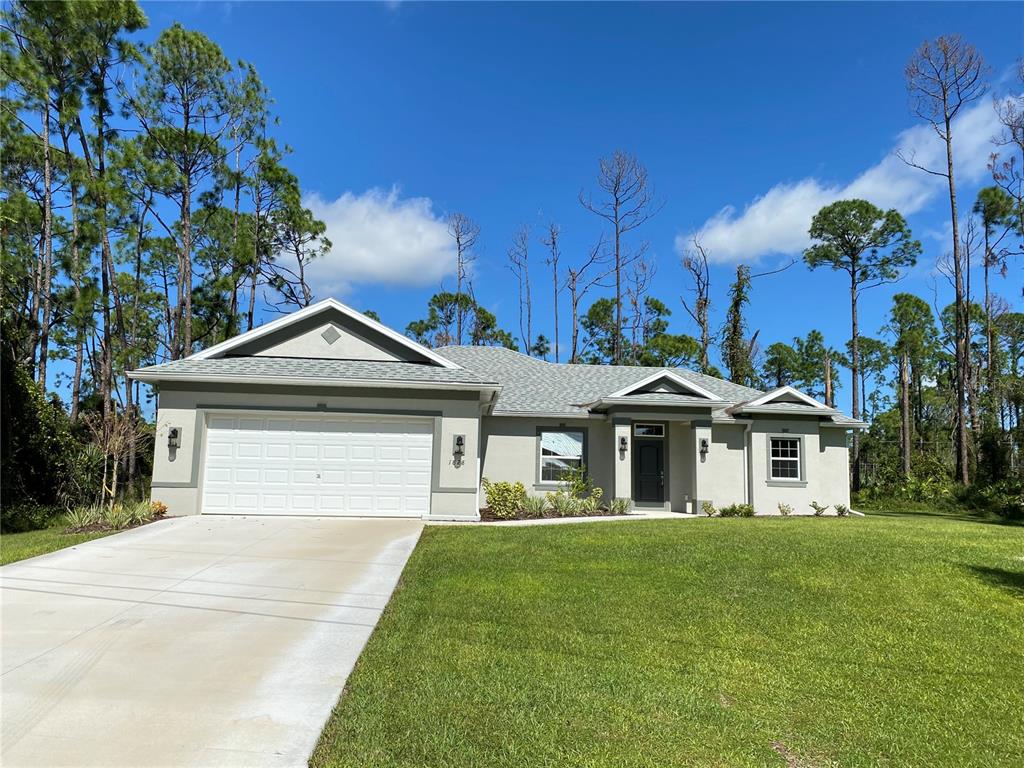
648,469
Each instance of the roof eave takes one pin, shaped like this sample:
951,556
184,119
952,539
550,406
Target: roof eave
155,377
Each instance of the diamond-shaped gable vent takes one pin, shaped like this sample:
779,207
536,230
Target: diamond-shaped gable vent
331,335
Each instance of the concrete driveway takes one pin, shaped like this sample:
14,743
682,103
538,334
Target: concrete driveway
200,641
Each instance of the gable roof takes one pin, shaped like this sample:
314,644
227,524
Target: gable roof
663,375
327,306
783,400
536,387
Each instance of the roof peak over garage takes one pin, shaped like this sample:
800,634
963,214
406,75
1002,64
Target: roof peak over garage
325,310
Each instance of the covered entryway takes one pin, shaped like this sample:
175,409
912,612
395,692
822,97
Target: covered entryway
317,464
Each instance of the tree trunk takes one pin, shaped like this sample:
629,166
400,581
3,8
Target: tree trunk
828,381
47,281
76,278
962,465
990,376
617,341
905,431
554,273
855,370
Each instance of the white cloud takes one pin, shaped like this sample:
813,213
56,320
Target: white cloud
777,221
380,237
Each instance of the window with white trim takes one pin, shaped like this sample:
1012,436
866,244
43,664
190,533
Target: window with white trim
561,452
784,459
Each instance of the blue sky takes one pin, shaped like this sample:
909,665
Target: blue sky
401,113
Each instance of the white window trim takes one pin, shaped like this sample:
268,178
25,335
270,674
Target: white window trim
801,479
649,424
540,453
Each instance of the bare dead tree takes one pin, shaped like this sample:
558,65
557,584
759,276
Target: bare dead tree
943,76
579,280
695,262
627,201
551,242
640,277
465,232
1007,166
519,264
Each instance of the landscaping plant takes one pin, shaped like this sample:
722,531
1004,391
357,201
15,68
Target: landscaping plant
708,509
819,509
505,499
785,509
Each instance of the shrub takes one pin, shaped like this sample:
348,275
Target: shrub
590,505
26,516
737,510
138,513
578,482
535,506
708,509
621,506
819,509
562,504
842,510
84,517
505,499
117,517
157,508
785,509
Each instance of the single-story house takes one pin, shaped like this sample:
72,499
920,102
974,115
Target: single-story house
328,412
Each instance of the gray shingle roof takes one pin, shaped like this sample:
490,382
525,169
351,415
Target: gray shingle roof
530,385
293,367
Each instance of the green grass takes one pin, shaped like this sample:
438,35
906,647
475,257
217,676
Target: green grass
740,642
20,546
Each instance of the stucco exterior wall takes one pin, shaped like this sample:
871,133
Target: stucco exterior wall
511,444
177,474
825,467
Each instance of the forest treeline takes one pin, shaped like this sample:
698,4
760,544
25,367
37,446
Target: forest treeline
147,212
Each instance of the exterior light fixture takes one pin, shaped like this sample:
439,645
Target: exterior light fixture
623,443
459,448
174,437
704,446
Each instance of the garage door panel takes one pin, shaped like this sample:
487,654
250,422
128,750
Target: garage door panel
329,465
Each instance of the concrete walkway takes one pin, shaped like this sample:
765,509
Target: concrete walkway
201,641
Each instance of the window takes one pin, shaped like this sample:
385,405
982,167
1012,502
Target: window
561,451
649,430
785,458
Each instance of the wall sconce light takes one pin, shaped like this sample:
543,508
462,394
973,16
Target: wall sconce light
459,448
623,443
174,437
704,446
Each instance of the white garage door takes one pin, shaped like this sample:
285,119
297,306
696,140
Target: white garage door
317,465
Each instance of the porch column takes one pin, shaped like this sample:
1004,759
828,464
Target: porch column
623,461
702,472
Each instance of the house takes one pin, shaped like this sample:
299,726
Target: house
328,412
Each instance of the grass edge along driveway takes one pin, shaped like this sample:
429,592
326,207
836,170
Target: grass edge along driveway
21,546
737,642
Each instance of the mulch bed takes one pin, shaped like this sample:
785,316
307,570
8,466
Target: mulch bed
487,516
97,527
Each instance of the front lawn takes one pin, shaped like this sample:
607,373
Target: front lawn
710,642
20,546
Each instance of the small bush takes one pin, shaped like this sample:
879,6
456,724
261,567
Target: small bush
138,513
785,509
26,516
117,517
621,506
80,518
578,482
737,510
535,506
590,505
157,508
505,499
708,509
842,510
562,504
819,509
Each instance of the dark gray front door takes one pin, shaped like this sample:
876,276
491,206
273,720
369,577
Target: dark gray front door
648,469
